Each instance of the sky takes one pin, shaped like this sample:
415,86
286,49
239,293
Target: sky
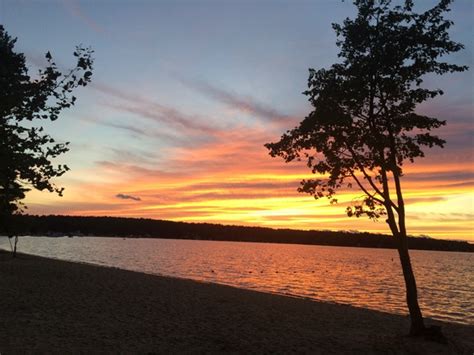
186,93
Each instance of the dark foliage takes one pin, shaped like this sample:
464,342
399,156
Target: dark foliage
364,126
150,228
26,152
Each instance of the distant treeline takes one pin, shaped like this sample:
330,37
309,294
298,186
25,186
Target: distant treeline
150,228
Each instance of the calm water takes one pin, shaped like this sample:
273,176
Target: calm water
369,278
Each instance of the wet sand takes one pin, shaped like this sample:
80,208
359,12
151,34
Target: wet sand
55,306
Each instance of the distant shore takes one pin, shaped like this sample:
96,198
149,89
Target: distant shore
57,225
51,305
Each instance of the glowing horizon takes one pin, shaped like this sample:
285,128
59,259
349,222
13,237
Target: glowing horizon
185,95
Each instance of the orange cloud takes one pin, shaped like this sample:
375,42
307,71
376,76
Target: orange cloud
225,175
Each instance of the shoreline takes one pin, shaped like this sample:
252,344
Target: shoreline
269,292
243,241
53,305
156,228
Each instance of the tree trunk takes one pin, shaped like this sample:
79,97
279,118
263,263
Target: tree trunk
6,220
14,246
417,326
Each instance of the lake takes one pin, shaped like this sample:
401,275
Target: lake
369,278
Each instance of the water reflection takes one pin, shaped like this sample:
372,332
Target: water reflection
368,278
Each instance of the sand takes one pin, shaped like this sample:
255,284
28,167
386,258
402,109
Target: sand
55,306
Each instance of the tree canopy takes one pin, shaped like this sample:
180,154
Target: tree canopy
364,125
26,152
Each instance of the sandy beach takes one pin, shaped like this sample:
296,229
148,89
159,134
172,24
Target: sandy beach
56,306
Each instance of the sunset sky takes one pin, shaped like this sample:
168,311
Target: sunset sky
186,93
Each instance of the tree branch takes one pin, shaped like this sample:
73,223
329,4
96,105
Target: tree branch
369,179
362,187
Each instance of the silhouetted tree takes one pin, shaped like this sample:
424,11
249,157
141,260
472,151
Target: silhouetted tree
26,152
364,127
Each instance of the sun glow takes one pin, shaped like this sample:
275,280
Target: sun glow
183,139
